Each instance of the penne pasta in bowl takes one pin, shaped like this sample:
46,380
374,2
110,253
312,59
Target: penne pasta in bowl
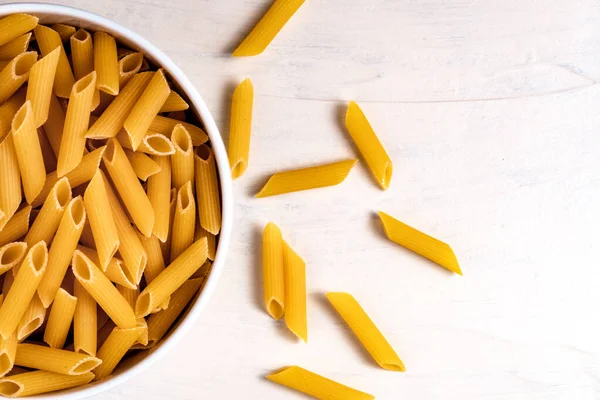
115,218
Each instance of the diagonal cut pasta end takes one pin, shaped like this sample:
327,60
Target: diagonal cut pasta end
275,308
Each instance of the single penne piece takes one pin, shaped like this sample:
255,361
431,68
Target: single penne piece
184,221
315,385
115,271
174,103
9,109
158,191
10,181
82,53
12,254
15,25
39,87
55,124
155,144
14,75
34,317
61,250
54,360
48,40
368,144
273,279
207,189
240,128
23,289
60,318
294,272
160,322
418,242
38,382
64,31
129,294
306,178
103,291
99,213
83,173
16,227
45,225
112,119
166,125
142,164
85,320
115,347
129,188
156,262
182,162
168,281
210,238
129,66
366,331
267,28
29,152
146,108
47,152
106,63
72,144
8,350
15,47
166,245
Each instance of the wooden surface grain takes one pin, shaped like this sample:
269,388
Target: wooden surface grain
489,110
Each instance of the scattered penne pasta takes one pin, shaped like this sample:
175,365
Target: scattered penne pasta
294,272
274,285
240,128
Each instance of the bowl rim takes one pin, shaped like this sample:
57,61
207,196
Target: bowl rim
224,176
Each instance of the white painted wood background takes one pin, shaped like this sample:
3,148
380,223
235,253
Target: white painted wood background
491,113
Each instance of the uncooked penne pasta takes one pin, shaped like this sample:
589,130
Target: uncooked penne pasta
129,294
273,279
207,189
14,25
166,245
39,87
129,66
174,103
12,254
158,191
155,144
240,128
47,221
267,28
8,350
156,262
54,360
47,152
85,319
55,124
10,181
9,109
114,348
306,178
48,40
15,47
168,281
146,108
184,221
210,238
106,63
366,331
23,289
59,320
369,145
142,164
61,250
182,162
72,145
38,382
16,227
82,53
294,272
29,152
15,74
115,271
422,244
315,385
65,31
34,317
166,125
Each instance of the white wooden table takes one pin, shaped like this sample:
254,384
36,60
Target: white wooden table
491,114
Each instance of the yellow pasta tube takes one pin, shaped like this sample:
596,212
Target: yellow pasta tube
103,291
10,181
15,25
420,243
240,128
82,51
12,254
72,145
115,271
366,331
127,184
369,145
267,28
273,280
55,124
171,278
64,31
38,382
306,178
148,105
114,348
182,162
60,318
47,152
61,250
15,47
155,144
23,289
45,225
39,88
54,360
16,227
99,213
14,75
156,262
174,103
166,245
48,40
210,238
106,63
166,125
184,221
8,349
207,190
142,164
294,272
9,109
33,318
129,66
315,385
85,320
158,191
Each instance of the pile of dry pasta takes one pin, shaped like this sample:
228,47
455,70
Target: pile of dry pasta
109,205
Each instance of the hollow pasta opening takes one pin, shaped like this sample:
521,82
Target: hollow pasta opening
9,388
81,35
12,254
5,364
81,267
159,144
84,82
63,193
77,211
30,327
24,64
203,152
110,151
131,62
20,116
39,256
85,366
238,169
181,140
185,195
142,304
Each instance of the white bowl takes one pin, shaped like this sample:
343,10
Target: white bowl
51,14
